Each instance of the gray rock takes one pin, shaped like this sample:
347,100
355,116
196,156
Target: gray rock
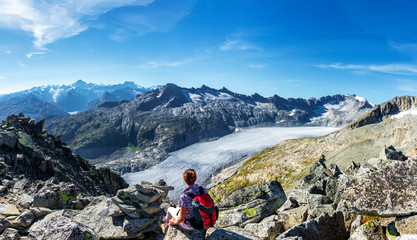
178,233
377,163
127,207
137,193
299,195
293,217
391,153
315,200
319,210
406,225
8,139
60,227
9,210
387,192
2,188
25,219
245,195
289,204
56,196
25,200
371,230
230,233
97,216
355,224
268,228
40,212
4,223
248,213
135,225
324,227
10,234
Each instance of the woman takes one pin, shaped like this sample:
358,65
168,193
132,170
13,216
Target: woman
182,214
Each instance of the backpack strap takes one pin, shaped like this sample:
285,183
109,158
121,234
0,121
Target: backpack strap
190,194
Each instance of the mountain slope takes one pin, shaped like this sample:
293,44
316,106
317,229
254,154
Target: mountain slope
289,161
32,106
76,97
169,118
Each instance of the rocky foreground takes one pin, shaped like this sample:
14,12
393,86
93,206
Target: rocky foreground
47,192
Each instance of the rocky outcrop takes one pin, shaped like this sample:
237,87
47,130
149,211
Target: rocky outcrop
379,112
325,227
251,204
387,192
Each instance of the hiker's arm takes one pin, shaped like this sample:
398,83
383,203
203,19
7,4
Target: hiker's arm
181,218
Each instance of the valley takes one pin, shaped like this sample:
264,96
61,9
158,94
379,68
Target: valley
208,158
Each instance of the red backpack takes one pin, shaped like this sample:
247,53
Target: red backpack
205,212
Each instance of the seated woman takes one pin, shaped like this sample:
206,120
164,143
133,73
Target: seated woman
182,214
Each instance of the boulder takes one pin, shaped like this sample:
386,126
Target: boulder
406,225
289,204
25,200
267,229
293,217
390,191
325,227
248,213
319,210
8,139
230,233
371,230
10,234
56,196
136,225
25,219
4,223
315,200
97,217
391,153
138,193
299,195
56,226
9,210
178,233
377,163
266,191
40,211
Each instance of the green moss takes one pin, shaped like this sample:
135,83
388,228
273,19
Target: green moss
249,212
67,198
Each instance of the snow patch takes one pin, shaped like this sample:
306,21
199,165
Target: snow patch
360,99
209,96
405,114
209,158
72,113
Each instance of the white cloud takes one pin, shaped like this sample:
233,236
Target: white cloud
51,20
8,51
238,44
2,77
406,85
399,69
257,66
29,55
158,64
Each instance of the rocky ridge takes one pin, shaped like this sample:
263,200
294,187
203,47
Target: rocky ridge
46,192
135,135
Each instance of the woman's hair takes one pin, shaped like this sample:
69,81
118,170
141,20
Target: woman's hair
189,176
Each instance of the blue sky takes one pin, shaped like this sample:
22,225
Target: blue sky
292,48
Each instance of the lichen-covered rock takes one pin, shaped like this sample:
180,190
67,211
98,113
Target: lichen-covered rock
56,196
406,225
390,191
9,210
268,228
371,230
60,227
293,217
178,233
245,195
319,210
248,213
25,200
97,216
324,227
40,211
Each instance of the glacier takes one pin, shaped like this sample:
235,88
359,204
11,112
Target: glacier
208,158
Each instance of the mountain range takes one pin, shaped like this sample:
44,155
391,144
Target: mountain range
39,102
134,135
